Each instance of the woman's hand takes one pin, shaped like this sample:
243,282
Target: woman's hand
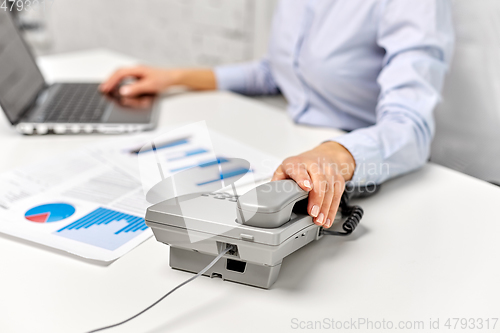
323,172
155,80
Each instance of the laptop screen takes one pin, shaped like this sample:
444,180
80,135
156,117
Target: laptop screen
20,78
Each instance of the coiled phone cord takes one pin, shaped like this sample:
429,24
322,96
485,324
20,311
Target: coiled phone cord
354,215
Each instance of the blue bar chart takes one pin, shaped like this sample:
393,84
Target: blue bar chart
185,154
162,145
203,164
193,160
227,174
104,228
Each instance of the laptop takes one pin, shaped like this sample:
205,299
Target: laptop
35,107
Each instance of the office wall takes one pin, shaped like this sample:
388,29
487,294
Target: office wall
468,120
163,32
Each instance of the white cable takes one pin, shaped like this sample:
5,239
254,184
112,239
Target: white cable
171,291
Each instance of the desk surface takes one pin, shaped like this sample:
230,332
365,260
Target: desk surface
427,248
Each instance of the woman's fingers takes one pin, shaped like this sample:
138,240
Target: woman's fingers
317,171
118,76
338,190
316,196
296,171
327,200
138,88
324,184
279,174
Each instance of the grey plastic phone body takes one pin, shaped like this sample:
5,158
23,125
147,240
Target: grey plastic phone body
199,226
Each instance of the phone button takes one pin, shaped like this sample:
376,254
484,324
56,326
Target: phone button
245,237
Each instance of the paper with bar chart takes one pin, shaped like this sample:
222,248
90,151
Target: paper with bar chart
75,203
152,158
92,202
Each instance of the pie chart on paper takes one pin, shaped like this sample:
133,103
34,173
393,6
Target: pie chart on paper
49,213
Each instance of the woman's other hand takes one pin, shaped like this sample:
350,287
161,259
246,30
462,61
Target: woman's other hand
151,80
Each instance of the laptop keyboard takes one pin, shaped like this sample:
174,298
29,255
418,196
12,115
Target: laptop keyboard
74,103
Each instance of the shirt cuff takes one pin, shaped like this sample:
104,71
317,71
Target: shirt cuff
370,168
231,77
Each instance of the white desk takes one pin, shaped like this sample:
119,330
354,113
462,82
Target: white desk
428,246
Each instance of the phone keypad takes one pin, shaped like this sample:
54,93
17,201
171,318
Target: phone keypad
221,196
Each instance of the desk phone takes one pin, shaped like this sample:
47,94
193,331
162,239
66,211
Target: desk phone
261,227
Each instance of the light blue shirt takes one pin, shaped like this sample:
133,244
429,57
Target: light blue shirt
372,67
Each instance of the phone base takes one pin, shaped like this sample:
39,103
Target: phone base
229,269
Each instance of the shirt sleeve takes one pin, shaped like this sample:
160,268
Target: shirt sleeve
254,78
418,38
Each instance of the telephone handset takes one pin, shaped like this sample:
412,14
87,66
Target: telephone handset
271,205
